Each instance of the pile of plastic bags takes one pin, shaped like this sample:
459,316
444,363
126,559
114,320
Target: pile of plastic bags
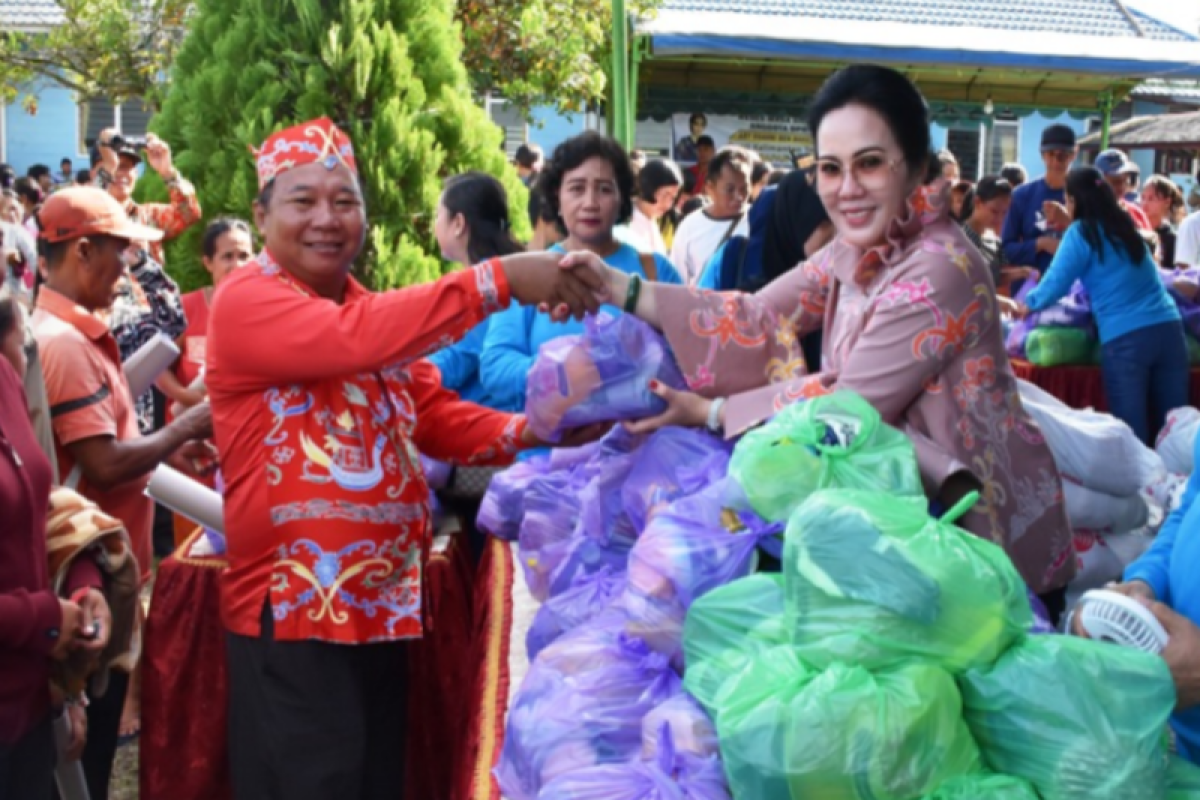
1064,333
892,660
601,713
1103,504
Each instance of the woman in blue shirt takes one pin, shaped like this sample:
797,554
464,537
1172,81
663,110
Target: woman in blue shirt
1143,349
588,185
472,226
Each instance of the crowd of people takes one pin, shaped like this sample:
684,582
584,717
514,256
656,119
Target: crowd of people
876,269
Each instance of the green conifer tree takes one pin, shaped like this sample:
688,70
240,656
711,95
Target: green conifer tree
390,72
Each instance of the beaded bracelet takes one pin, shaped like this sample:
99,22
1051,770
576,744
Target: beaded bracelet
631,294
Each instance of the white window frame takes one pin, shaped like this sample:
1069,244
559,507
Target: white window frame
81,130
1015,124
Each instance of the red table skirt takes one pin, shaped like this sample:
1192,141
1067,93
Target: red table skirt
489,695
184,691
1082,386
183,751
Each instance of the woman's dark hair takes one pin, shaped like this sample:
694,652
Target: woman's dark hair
759,171
218,228
571,155
481,200
27,189
989,188
1101,216
697,117
1014,173
8,176
889,94
655,175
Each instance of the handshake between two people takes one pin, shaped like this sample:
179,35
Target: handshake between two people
564,286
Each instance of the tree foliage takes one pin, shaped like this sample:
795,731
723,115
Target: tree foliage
115,49
389,72
541,52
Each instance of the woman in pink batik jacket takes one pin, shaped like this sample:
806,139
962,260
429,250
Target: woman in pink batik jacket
911,323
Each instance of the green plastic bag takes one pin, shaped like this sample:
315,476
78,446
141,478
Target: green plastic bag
874,580
834,441
727,628
789,732
1183,780
1054,347
1078,719
1193,350
984,787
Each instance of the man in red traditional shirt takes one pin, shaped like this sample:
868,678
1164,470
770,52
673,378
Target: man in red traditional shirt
321,403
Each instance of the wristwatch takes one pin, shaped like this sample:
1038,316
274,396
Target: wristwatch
714,415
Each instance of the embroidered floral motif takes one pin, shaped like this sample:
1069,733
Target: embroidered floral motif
370,577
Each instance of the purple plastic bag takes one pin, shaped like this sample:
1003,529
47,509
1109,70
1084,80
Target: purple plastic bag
601,376
690,548
1073,311
1015,343
574,559
581,705
668,776
692,731
1041,617
503,506
603,517
555,546
437,473
551,513
673,463
572,608
1189,309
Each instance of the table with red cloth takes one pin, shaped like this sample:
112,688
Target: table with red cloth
1081,386
183,745
183,748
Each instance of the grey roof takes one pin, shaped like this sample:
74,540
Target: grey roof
29,14
1175,91
1180,131
1093,18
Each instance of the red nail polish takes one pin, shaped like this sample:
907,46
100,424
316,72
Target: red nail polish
654,385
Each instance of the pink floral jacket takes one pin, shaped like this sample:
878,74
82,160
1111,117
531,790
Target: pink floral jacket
912,326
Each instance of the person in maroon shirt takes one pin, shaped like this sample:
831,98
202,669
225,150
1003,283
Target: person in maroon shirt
35,624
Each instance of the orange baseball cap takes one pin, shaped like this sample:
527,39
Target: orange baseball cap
87,211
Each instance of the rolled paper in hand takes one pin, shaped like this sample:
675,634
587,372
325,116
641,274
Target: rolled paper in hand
151,360
68,775
187,497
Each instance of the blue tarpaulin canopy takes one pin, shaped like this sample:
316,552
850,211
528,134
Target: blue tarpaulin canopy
770,56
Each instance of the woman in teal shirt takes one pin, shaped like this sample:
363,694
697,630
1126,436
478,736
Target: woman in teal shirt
1143,349
588,185
472,226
